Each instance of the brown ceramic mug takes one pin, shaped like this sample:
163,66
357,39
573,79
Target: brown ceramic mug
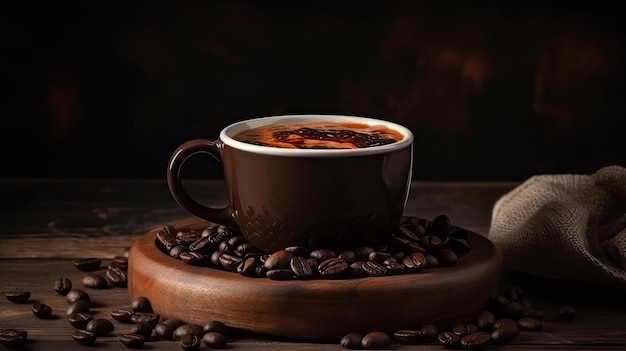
316,198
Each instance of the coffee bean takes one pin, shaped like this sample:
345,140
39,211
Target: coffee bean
166,238
94,281
567,312
530,323
378,257
375,340
333,267
322,254
100,326
236,240
144,329
394,268
248,267
431,242
229,262
214,340
88,264
244,249
177,250
77,294
186,329
431,261
83,337
415,261
79,320
41,310
203,246
475,340
122,315
351,341
132,340
17,296
408,337
363,252
408,232
190,342
449,340
62,286
121,261
485,320
504,331
279,274
141,304
407,245
151,318
194,258
464,329
215,326
300,267
440,225
79,306
13,338
279,260
461,247
429,332
447,257
117,276
165,330
374,269
510,309
348,255
187,237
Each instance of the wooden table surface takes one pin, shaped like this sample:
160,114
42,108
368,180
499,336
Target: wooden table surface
45,225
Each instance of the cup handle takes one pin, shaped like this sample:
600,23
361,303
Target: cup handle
183,152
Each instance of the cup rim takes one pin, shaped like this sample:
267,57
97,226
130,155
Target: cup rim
227,133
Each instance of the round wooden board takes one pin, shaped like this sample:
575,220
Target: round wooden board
322,310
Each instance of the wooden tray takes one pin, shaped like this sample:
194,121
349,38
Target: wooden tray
322,310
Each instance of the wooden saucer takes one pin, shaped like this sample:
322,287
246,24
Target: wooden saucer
323,310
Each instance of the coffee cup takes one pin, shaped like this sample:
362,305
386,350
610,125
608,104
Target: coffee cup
316,181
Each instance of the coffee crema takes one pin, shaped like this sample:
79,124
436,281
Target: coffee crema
320,135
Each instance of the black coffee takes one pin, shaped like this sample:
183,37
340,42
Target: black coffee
320,135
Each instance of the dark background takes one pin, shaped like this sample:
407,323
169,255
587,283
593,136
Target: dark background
492,90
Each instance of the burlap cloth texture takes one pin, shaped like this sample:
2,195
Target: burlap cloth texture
565,226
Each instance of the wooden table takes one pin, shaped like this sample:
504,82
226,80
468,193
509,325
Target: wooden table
45,225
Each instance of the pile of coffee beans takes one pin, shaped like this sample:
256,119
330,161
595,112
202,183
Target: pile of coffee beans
415,245
504,319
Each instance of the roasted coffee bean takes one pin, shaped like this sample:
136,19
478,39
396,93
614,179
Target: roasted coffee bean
363,252
88,264
143,328
244,249
279,274
378,257
414,261
236,240
300,267
214,340
212,227
94,281
141,304
504,331
80,306
121,260
190,342
529,323
322,254
41,310
248,267
460,246
395,268
333,267
194,258
79,320
278,260
148,317
349,255
13,338
510,309
165,330
166,238
440,225
203,245
431,242
408,337
215,259
429,332
356,269
351,341
407,232
464,329
186,237
17,296
260,271
374,269
475,340
567,312
177,250
122,315
449,340
83,337
116,265
375,340
407,245
230,262
187,329
117,276
225,247
485,320
62,286
447,257
215,326
132,340
214,238
100,326
77,294
431,261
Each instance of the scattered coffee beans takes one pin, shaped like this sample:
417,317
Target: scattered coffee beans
351,341
215,326
94,281
62,286
17,296
190,342
165,330
122,315
141,304
142,328
132,340
375,340
41,310
214,340
88,264
408,337
77,294
529,323
187,329
475,340
13,338
85,338
80,306
100,326
79,320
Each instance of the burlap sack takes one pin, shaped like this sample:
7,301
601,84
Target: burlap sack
566,226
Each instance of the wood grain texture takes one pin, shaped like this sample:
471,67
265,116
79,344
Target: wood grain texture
317,309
